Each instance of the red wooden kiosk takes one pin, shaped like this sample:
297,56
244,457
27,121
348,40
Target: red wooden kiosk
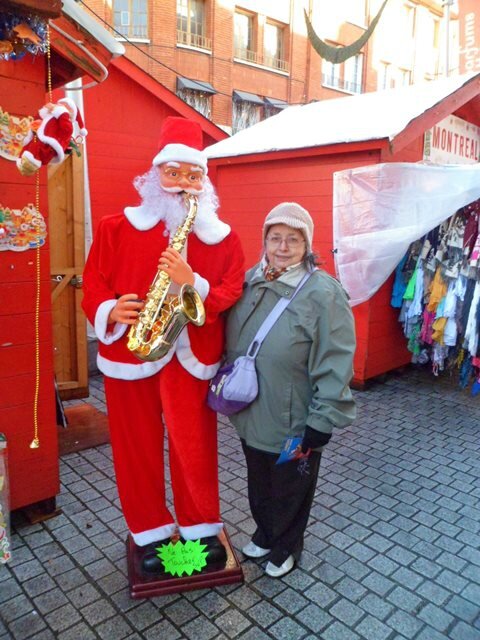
33,472
294,155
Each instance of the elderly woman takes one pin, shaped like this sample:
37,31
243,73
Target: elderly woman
304,367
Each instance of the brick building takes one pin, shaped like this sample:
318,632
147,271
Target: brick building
239,62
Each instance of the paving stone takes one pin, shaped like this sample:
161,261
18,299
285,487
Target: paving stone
180,612
16,608
62,618
291,601
97,612
200,628
404,623
27,626
314,617
463,609
376,606
320,594
435,617
50,601
232,622
287,629
338,631
164,630
462,631
346,612
265,614
113,628
245,597
372,629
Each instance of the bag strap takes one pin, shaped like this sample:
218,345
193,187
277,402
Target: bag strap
272,317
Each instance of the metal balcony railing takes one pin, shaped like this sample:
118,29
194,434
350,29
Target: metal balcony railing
267,61
193,40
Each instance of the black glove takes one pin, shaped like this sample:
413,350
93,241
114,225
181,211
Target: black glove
313,439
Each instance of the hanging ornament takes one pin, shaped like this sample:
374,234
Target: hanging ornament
51,136
21,229
13,131
21,32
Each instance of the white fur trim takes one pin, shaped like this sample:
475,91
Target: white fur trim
52,142
154,535
57,111
211,231
29,156
181,153
127,371
190,362
204,530
202,286
83,132
142,218
101,324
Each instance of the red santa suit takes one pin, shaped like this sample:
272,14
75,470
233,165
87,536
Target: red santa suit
124,259
53,135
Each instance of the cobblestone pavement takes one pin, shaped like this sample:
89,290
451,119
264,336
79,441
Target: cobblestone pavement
392,551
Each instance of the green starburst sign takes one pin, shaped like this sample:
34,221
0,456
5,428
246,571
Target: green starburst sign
181,558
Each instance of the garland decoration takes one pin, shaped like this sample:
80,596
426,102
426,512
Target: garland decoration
334,54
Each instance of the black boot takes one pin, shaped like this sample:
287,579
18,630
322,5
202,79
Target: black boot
216,552
150,562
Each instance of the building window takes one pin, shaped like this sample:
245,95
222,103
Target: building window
274,46
131,18
244,37
191,24
385,78
405,77
197,94
352,74
330,74
247,109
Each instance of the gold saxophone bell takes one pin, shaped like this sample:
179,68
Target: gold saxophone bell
163,317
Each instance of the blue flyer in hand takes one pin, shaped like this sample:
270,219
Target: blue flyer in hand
292,450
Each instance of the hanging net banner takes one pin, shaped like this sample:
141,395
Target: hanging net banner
380,209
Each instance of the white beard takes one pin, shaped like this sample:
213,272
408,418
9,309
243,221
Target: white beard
159,204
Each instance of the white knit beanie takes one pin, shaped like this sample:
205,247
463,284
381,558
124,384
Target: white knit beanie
293,215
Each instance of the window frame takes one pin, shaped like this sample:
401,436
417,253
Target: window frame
196,37
133,31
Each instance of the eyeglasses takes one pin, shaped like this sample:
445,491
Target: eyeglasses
292,242
176,175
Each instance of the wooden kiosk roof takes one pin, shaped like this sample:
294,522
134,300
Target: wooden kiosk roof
388,120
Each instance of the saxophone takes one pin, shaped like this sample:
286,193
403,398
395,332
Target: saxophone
163,317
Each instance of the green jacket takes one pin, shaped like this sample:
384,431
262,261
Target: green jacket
304,365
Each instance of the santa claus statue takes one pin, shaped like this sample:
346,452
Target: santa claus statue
49,137
127,251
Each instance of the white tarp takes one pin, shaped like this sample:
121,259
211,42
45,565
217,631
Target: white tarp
380,209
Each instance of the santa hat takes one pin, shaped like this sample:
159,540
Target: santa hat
76,115
181,140
293,215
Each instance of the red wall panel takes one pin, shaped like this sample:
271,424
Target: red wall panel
33,472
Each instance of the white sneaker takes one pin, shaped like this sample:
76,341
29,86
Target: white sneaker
277,572
251,550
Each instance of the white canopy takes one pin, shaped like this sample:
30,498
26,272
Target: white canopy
380,209
369,116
